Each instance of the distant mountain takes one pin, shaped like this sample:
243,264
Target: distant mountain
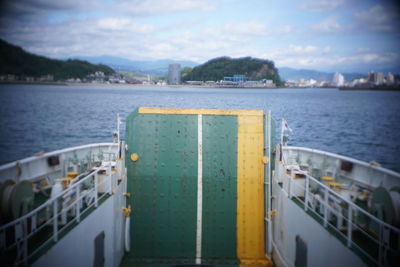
296,74
156,67
217,68
15,60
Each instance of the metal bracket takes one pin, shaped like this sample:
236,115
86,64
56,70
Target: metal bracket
272,212
127,211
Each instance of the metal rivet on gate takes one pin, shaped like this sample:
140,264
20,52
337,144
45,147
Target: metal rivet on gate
134,157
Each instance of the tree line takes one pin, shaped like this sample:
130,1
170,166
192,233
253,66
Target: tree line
14,60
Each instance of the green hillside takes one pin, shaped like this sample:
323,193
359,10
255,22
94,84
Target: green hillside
14,60
252,68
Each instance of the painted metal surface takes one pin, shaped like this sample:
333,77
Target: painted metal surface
163,183
250,189
219,186
197,186
222,112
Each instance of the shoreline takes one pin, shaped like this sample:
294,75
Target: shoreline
33,83
131,85
383,88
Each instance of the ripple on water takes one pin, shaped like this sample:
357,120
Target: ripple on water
363,125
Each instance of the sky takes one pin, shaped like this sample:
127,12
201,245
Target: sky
325,35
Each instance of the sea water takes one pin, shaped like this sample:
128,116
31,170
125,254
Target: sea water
361,124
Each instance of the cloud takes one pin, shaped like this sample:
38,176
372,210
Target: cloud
28,8
107,36
255,28
286,29
124,24
323,58
328,25
303,49
379,18
159,7
327,49
248,28
323,5
190,29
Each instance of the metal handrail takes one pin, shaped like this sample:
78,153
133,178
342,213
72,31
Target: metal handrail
57,152
59,213
351,207
96,171
349,202
337,156
74,189
349,241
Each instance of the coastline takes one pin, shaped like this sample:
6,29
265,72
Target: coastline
382,88
33,83
131,85
372,88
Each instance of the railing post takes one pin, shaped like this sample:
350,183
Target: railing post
55,220
306,194
380,255
25,236
109,179
78,203
290,181
3,244
349,226
326,207
96,181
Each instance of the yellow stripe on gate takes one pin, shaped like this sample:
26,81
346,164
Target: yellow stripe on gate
193,111
250,191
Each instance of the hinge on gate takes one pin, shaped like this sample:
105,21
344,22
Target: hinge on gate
272,212
265,160
128,195
127,211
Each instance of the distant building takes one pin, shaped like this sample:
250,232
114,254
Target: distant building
376,78
235,78
390,78
371,77
46,78
380,78
174,73
338,79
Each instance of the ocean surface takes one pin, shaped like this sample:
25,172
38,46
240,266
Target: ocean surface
360,124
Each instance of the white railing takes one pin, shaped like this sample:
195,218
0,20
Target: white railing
340,215
340,157
26,236
37,166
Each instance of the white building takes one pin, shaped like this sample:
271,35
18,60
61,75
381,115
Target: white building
174,73
380,78
390,78
338,79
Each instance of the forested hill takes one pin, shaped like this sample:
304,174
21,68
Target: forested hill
252,68
14,60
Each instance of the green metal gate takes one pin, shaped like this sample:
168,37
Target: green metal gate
163,181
